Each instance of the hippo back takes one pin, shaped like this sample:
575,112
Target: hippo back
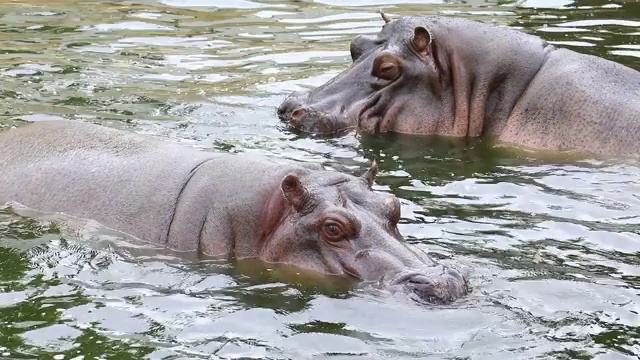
118,178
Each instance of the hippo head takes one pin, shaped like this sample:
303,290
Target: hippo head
401,80
394,78
335,224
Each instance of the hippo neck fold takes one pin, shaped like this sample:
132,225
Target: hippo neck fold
486,85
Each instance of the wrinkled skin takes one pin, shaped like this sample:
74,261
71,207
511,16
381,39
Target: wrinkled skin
235,206
458,77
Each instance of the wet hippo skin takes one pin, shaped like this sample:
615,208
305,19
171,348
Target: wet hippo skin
458,77
239,206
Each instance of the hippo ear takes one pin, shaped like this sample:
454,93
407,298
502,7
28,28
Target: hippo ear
385,17
421,40
371,173
296,194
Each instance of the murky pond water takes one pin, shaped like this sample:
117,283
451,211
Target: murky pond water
552,245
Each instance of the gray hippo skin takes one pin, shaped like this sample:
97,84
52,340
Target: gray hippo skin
457,77
238,206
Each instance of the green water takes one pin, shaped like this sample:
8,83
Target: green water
551,245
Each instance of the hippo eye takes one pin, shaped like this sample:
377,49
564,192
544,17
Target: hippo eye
388,71
333,231
386,66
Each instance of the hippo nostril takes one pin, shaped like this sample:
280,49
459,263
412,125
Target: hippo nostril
423,287
420,281
298,114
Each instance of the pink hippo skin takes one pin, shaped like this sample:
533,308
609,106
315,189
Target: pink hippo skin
238,206
458,77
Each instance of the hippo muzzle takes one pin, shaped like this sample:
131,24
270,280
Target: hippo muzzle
437,285
299,115
394,266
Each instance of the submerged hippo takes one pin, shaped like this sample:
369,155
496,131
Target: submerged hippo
237,206
458,77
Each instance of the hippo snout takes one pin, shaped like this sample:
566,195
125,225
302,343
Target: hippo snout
289,105
293,109
298,114
441,288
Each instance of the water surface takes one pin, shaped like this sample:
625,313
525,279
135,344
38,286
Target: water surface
551,245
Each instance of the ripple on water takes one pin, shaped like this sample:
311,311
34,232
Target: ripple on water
222,4
128,25
550,246
545,4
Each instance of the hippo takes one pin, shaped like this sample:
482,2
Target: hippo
444,76
238,206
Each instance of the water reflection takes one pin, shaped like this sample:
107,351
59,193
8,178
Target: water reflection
551,243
